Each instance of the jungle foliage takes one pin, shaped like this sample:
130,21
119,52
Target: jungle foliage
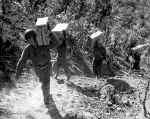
121,20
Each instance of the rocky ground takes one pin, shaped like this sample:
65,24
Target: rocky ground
78,98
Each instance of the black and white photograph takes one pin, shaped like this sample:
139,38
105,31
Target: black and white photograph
74,59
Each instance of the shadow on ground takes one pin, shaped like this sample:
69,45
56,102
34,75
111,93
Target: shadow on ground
54,112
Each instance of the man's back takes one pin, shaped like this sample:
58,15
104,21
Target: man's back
39,55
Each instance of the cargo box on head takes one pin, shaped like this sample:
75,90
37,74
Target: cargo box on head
141,47
59,30
42,31
95,36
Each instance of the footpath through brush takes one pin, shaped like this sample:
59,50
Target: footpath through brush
80,98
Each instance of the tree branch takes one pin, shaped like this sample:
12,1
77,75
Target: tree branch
9,22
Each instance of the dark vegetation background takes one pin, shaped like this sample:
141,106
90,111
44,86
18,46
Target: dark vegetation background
121,20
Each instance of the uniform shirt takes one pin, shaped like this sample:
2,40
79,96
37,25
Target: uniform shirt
40,57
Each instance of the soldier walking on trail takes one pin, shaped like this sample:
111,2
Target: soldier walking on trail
62,60
40,57
134,56
70,59
99,56
99,52
59,33
40,42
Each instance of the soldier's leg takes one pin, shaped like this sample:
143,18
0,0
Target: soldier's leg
136,65
79,59
65,66
46,89
109,65
67,71
57,67
99,68
96,68
44,77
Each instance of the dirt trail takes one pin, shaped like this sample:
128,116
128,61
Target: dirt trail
74,100
26,101
23,102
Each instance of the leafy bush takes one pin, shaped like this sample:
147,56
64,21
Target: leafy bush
121,20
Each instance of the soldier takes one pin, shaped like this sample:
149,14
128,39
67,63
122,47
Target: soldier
134,56
70,59
40,57
99,52
59,33
145,60
62,60
99,56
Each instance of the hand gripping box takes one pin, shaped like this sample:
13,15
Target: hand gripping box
42,31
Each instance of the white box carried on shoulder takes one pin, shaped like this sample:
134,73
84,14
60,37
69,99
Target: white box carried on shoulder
42,31
58,30
96,34
141,47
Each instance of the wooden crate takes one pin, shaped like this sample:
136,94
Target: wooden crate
42,31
